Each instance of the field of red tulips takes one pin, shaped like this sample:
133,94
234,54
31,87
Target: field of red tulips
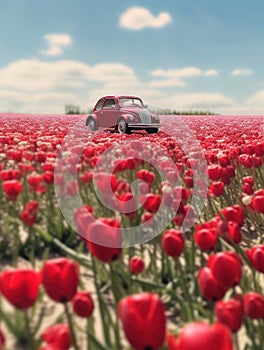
113,242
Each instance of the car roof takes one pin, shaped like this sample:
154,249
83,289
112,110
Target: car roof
120,96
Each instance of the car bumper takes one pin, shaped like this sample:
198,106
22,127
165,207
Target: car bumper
143,126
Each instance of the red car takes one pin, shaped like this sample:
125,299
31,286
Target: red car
122,114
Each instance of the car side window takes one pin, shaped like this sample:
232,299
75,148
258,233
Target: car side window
99,105
109,103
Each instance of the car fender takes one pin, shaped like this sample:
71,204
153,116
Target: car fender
126,116
93,116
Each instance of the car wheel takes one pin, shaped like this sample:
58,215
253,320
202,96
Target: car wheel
152,131
91,125
122,127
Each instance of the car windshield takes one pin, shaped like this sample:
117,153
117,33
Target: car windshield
130,102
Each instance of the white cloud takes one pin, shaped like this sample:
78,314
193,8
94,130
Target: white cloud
212,101
237,72
211,73
36,86
137,18
55,44
175,77
187,72
167,83
257,99
32,85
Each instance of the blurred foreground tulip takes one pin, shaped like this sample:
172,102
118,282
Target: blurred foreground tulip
20,287
60,278
201,336
143,320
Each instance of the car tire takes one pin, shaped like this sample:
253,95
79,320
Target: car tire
152,131
122,127
91,124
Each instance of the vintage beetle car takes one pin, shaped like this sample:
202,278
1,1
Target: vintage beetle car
122,114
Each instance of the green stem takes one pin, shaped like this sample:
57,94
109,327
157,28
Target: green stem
117,295
90,333
105,326
71,326
185,289
30,339
98,346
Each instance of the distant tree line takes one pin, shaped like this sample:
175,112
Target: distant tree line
73,109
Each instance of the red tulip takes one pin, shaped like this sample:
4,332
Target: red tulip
256,257
147,218
217,188
136,265
34,180
254,305
20,287
173,242
245,160
41,157
145,175
224,160
29,213
222,227
104,239
231,171
226,268
129,163
106,183
259,192
233,232
182,193
234,213
127,204
256,161
249,180
201,336
86,177
12,188
83,304
247,188
48,177
151,202
188,180
60,278
214,172
258,204
205,238
10,174
225,177
83,217
247,185
230,312
58,337
209,286
143,320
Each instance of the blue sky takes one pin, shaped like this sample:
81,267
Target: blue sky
176,54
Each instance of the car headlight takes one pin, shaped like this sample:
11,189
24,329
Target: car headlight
131,117
156,117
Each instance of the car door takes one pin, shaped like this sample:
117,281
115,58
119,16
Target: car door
109,115
98,112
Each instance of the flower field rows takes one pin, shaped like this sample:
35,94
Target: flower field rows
140,241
